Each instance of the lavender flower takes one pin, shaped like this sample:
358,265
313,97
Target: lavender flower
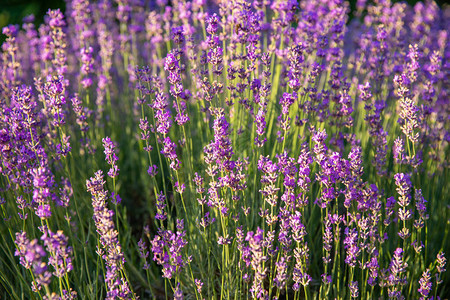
441,261
162,115
198,285
31,257
255,241
420,203
403,183
269,179
167,251
111,157
60,253
354,293
206,221
111,252
170,153
396,279
409,117
220,150
351,246
143,253
10,72
152,170
56,23
56,101
286,102
398,151
373,267
425,284
282,268
320,148
43,183
177,35
215,53
213,24
160,205
178,293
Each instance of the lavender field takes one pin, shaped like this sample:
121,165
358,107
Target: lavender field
226,150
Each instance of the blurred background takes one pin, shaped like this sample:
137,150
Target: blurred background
13,11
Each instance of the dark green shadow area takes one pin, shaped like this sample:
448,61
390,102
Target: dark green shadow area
13,11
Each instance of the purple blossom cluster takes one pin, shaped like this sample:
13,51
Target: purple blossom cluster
111,157
110,250
167,248
32,257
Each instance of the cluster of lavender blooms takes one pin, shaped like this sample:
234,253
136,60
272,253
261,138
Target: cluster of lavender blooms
110,250
32,257
267,149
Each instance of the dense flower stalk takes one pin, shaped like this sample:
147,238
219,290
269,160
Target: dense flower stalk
56,25
403,183
111,157
60,257
111,250
43,183
32,257
167,249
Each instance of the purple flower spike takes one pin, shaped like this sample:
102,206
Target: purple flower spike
425,285
111,157
60,253
43,183
152,170
111,250
213,24
31,257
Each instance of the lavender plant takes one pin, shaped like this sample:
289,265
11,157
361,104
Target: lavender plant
261,149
